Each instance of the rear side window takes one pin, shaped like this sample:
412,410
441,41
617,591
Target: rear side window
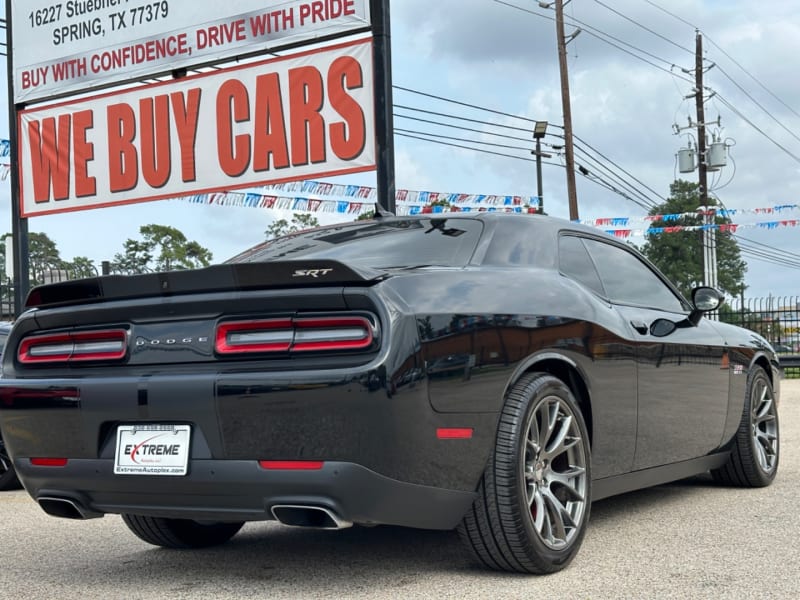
574,262
519,241
390,243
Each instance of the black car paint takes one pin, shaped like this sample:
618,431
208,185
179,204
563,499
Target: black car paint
375,414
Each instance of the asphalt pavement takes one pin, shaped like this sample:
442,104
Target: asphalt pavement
691,539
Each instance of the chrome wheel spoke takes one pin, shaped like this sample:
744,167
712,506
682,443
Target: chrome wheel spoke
558,518
548,414
763,407
561,440
570,482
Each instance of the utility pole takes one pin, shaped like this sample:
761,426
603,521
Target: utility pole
565,104
709,235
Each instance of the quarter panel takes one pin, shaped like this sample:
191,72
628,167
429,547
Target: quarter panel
473,356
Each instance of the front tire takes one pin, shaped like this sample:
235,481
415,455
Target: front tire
534,497
753,461
180,533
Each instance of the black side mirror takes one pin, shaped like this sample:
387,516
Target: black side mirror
704,299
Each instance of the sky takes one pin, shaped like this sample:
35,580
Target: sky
629,85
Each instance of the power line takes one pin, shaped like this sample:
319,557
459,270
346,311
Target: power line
766,256
785,253
644,202
434,141
662,9
590,31
596,151
638,192
635,22
461,127
753,77
458,139
754,126
757,103
467,104
450,116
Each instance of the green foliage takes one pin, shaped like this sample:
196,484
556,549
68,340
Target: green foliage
162,248
680,255
44,258
299,222
81,266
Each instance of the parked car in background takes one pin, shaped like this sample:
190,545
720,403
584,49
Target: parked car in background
782,348
487,372
8,478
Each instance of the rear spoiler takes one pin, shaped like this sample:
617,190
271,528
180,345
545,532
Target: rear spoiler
218,278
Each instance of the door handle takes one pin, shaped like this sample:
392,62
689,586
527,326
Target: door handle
640,326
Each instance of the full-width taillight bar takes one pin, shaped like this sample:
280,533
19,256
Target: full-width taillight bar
108,344
297,334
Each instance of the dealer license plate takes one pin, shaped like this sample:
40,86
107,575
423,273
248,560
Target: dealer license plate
152,449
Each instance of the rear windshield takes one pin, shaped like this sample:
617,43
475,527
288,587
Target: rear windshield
395,243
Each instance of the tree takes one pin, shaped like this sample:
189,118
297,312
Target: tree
44,258
162,248
81,266
679,255
283,227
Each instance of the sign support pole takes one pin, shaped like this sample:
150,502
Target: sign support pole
19,226
384,123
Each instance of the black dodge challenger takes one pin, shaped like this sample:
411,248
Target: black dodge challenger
487,372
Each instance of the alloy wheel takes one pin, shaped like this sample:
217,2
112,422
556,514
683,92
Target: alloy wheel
555,472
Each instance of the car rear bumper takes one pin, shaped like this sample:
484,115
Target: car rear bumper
238,490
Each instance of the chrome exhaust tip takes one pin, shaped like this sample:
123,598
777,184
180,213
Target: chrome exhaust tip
315,517
66,508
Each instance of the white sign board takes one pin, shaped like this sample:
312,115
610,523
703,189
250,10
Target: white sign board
62,46
296,117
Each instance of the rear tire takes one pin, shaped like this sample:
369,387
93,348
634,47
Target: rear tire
180,533
753,461
535,495
8,476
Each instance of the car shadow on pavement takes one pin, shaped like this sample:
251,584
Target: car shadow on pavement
620,506
318,562
315,562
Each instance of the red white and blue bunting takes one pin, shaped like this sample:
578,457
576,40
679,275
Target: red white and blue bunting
319,196
618,226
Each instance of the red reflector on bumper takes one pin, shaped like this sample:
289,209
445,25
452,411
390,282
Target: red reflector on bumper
49,462
289,465
454,433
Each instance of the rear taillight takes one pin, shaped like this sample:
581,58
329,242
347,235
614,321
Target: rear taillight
298,334
110,344
49,462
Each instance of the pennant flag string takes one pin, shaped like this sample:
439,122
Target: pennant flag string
366,193
723,227
725,213
320,196
304,204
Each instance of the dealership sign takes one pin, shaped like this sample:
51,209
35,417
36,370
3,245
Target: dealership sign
296,117
63,46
